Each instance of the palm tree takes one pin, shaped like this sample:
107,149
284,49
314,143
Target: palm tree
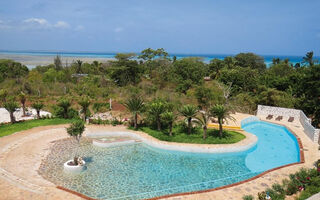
189,111
169,117
37,106
75,130
222,113
78,66
84,103
308,58
135,105
155,109
23,99
11,106
203,120
64,104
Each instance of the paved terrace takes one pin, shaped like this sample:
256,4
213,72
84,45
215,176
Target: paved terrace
21,155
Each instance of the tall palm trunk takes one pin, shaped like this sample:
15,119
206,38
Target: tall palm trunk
12,118
135,120
159,124
38,114
170,129
189,125
204,132
220,128
24,109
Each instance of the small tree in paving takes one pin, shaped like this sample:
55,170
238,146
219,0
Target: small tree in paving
189,112
11,106
37,106
135,105
75,130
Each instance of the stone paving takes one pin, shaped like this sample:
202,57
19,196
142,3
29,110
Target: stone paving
21,155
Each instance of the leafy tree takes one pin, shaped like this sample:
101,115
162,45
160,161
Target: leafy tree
222,113
250,60
78,66
37,106
203,120
125,71
11,106
215,67
57,63
205,96
23,99
64,104
76,130
308,59
189,112
169,117
3,95
135,105
11,69
85,103
189,70
155,109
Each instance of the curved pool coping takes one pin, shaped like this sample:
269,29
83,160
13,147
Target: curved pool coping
248,142
302,160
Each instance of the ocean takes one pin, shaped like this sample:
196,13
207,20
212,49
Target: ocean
206,57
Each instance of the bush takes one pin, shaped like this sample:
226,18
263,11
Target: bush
248,197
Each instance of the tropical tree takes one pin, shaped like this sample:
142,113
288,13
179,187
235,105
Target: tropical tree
308,58
76,130
189,112
3,95
78,66
37,106
85,103
155,109
222,113
135,105
203,121
169,117
64,104
11,106
23,99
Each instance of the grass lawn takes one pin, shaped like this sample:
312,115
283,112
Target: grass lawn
8,129
229,137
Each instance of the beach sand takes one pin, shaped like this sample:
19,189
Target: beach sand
32,61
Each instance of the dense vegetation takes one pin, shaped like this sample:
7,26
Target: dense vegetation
242,81
305,182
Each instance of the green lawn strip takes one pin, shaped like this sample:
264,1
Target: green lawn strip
8,129
229,137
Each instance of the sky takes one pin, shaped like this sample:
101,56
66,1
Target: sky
266,27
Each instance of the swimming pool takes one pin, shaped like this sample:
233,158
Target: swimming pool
140,171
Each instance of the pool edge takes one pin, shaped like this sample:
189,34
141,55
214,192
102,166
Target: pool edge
302,160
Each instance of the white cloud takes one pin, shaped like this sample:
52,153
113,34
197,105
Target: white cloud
39,21
79,28
42,23
118,29
61,24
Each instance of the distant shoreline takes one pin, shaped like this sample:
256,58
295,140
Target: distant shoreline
34,58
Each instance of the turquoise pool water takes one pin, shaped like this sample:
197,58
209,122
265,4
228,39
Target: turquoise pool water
140,171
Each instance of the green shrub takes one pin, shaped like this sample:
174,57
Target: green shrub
248,197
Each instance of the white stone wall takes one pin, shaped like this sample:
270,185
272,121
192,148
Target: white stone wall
298,115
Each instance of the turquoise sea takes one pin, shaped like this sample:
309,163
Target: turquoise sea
206,57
